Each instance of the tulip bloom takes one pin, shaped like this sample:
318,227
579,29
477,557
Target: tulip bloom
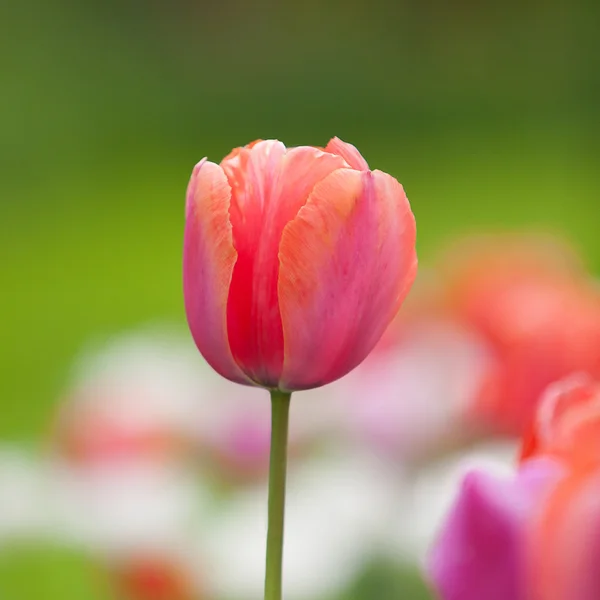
564,545
567,424
295,262
540,313
535,538
532,538
482,551
564,551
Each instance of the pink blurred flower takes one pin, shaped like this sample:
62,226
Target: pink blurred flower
295,262
233,431
409,399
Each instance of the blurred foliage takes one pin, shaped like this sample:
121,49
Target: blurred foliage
486,113
49,572
41,573
385,581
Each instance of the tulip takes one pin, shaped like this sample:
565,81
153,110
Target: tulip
535,538
540,313
564,552
564,548
152,578
567,424
295,262
482,549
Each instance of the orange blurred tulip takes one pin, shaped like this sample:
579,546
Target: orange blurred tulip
540,313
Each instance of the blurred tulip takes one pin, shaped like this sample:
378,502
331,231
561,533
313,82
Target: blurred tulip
295,262
535,538
152,578
567,424
429,492
482,549
540,313
564,551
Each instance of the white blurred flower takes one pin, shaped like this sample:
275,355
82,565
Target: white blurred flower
142,381
336,510
150,394
409,400
25,513
126,509
124,487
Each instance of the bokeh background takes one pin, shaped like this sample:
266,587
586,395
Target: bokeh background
487,113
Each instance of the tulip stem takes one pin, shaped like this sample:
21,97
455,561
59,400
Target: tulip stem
280,408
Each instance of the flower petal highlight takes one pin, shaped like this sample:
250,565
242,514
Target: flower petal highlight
347,261
208,263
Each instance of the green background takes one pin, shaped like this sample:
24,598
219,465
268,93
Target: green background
486,112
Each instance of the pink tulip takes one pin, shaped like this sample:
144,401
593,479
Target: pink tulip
295,262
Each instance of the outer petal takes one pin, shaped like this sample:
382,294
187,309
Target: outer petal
480,551
208,261
270,184
348,152
567,423
347,261
565,548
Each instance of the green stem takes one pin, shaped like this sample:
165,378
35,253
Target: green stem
280,408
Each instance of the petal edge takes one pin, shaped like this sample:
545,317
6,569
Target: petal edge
208,260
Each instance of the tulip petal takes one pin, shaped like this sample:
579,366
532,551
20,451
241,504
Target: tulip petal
567,423
347,261
565,548
480,552
269,185
208,262
348,152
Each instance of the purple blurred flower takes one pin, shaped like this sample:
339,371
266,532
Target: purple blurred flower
480,551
